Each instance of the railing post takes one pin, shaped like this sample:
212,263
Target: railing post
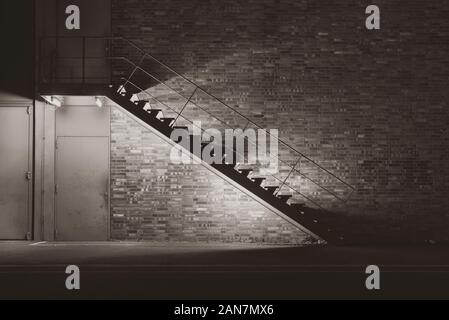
109,56
187,102
53,67
55,58
288,176
134,70
84,60
39,59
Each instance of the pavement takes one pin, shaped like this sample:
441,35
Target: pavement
151,270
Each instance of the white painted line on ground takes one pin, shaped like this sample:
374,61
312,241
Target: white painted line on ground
38,243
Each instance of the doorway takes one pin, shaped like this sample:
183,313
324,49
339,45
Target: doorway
15,173
82,188
82,172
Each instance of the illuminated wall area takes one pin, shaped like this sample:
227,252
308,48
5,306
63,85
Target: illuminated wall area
368,106
154,199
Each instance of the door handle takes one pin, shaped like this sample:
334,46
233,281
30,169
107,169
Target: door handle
106,199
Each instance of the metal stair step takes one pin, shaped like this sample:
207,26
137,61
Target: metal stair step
167,121
271,189
245,172
140,103
154,112
284,197
127,95
297,205
258,181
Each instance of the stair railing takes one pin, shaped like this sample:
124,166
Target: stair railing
273,157
109,55
283,182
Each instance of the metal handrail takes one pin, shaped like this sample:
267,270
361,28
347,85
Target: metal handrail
236,111
197,87
181,95
283,183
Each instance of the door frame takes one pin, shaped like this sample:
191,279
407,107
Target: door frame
108,136
108,218
28,109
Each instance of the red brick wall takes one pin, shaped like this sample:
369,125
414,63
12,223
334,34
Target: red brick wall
370,106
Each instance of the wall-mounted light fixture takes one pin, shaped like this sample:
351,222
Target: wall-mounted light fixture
53,100
99,102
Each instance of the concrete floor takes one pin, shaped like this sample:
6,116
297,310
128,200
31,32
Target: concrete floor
224,271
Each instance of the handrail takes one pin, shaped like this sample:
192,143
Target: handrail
223,103
284,183
280,160
197,87
181,95
127,80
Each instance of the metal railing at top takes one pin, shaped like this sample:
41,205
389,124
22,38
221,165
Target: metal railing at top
111,45
282,182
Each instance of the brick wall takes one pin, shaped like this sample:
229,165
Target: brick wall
370,106
153,199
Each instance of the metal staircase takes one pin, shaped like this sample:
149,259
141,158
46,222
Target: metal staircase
302,190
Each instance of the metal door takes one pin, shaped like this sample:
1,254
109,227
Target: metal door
82,188
15,175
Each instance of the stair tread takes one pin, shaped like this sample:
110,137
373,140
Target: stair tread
153,112
258,179
167,120
297,205
140,103
245,172
126,94
270,188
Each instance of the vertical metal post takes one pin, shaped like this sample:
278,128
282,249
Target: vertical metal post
187,102
134,70
84,59
109,56
288,176
39,59
52,68
55,58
